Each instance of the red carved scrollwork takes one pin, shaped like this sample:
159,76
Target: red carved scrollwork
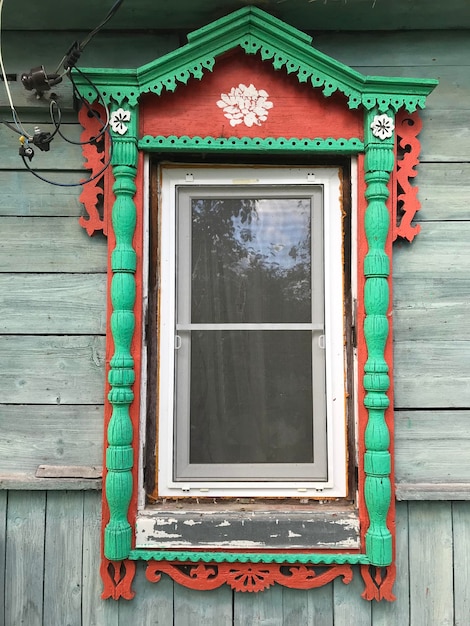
248,577
406,203
117,579
96,196
378,582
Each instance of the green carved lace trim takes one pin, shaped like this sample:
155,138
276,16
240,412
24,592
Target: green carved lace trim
250,557
255,144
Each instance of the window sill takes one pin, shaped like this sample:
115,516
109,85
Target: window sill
248,527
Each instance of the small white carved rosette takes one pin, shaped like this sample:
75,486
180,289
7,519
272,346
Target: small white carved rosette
382,126
118,119
245,105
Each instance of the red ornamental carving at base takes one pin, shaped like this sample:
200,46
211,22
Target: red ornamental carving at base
117,579
248,577
378,582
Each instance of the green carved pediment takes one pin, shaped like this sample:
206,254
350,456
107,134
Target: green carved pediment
275,42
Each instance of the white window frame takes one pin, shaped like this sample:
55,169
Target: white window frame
330,179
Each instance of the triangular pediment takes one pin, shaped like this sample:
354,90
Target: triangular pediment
271,40
245,97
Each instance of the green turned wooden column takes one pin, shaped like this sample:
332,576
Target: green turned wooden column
379,163
119,453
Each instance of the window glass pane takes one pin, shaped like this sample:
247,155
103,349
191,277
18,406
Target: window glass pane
251,397
251,260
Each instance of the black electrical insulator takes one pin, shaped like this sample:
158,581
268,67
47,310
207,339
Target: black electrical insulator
72,55
42,140
38,80
26,151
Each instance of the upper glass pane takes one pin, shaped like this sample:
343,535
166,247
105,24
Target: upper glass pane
251,260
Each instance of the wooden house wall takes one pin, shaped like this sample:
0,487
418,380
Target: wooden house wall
52,313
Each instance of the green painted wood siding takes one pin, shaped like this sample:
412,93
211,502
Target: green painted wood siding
49,543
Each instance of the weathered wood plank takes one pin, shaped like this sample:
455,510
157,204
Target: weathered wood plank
3,535
25,558
349,607
17,481
439,251
187,14
446,135
53,303
431,563
461,543
431,292
432,446
432,491
49,244
397,613
444,189
69,471
199,607
432,374
154,602
203,528
431,352
435,318
314,606
426,289
107,50
54,435
52,370
95,611
63,559
23,194
258,609
394,50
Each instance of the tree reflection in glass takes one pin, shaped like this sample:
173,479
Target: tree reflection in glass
251,260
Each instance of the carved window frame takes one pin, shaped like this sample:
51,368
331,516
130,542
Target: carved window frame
387,153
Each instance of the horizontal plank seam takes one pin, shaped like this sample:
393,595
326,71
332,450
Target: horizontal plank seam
430,409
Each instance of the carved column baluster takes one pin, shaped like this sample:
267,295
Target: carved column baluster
379,163
119,454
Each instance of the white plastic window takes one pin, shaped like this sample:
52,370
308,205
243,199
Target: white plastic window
251,350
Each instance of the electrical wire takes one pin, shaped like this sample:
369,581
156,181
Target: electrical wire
82,182
110,14
99,98
105,129
81,46
55,110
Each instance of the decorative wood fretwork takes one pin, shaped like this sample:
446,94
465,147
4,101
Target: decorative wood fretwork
117,577
255,144
378,582
95,195
248,577
406,204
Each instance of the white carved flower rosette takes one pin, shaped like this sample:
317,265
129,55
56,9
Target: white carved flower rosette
118,119
382,126
245,105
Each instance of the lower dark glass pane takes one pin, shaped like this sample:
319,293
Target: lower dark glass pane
251,397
